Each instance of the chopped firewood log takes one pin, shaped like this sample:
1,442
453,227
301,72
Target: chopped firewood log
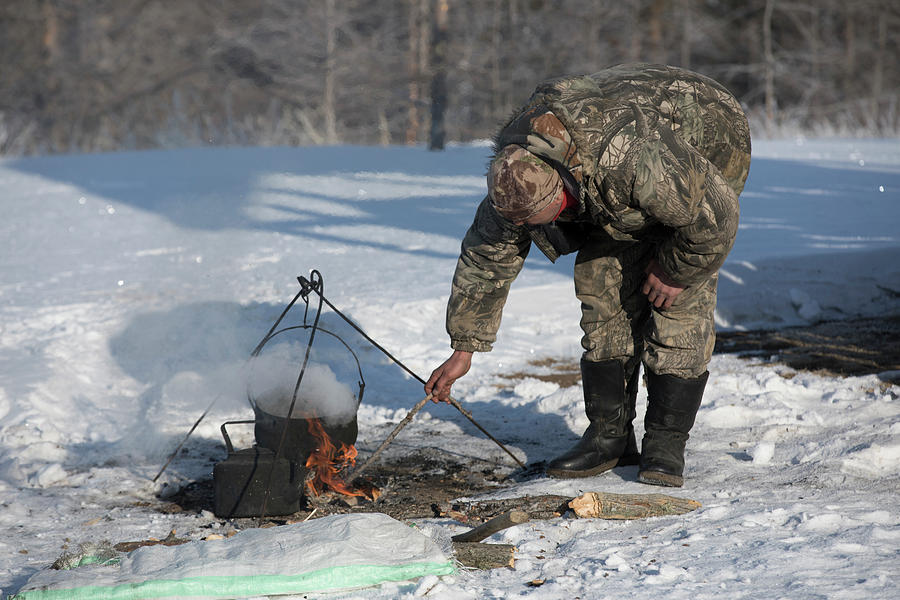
489,528
484,556
603,505
537,507
615,506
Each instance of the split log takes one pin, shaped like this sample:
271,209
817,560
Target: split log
484,556
537,507
603,505
489,528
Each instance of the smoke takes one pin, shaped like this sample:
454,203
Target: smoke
274,375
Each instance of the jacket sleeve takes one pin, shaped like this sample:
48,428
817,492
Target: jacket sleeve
492,255
675,185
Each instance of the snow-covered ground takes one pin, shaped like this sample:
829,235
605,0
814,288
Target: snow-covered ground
135,285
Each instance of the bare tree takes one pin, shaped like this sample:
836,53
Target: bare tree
417,64
439,49
115,74
769,55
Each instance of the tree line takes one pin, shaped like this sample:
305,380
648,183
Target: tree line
105,75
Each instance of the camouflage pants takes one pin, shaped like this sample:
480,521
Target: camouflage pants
620,323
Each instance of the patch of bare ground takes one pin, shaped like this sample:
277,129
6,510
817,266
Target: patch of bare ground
560,372
423,484
842,348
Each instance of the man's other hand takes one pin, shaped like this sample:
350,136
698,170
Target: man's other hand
442,379
660,289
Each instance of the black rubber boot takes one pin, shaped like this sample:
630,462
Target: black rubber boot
608,437
672,405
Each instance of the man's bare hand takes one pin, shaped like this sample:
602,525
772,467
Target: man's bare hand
660,289
442,379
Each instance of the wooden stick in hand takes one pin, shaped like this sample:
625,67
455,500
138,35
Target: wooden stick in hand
406,420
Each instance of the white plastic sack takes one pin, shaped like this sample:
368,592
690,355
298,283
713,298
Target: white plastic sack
332,553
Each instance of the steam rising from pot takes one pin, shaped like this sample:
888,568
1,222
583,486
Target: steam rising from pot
271,385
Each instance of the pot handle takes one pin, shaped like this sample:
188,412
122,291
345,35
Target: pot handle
228,446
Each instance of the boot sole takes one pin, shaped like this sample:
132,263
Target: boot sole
567,474
660,478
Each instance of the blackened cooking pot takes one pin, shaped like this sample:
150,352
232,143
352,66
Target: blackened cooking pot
299,443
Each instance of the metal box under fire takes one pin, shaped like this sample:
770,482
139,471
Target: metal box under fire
241,481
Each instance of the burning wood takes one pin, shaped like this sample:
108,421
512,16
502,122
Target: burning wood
328,461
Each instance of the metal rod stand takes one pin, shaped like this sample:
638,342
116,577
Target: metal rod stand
307,286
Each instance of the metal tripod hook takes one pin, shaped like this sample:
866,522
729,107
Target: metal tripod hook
316,284
313,284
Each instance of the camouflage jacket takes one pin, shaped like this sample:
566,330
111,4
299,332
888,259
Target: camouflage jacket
651,153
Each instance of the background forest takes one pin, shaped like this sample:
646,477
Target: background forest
104,75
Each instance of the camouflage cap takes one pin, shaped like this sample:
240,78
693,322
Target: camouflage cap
520,184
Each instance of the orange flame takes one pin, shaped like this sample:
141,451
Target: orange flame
328,461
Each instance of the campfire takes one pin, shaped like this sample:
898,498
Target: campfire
304,423
329,461
305,430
